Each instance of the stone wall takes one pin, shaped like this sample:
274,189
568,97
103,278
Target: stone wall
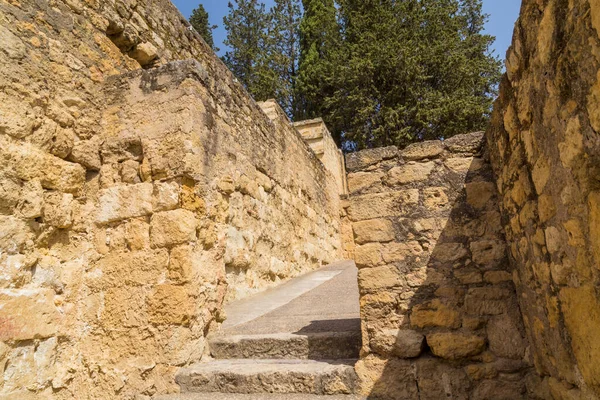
439,309
134,200
545,149
318,137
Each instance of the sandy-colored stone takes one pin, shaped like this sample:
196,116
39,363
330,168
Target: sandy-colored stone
409,173
480,193
377,230
58,209
454,346
170,228
122,202
435,314
419,151
42,319
379,277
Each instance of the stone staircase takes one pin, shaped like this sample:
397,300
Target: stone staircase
297,341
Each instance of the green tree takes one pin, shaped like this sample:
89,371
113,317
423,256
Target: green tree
410,70
248,59
200,22
319,38
283,51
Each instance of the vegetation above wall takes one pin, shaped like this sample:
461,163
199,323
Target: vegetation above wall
380,73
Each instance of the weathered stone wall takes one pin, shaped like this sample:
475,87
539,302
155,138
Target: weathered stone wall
134,203
545,149
439,309
318,137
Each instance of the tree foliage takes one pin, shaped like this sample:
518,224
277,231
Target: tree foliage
319,38
380,72
200,22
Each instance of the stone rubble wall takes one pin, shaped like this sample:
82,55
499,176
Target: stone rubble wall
545,150
138,193
438,303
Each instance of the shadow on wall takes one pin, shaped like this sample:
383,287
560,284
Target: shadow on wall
439,309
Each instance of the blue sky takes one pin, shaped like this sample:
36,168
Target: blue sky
503,14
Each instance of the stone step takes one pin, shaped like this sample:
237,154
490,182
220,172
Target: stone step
311,346
261,396
270,376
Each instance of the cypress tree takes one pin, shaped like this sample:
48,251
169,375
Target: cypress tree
246,26
200,22
284,51
319,37
411,70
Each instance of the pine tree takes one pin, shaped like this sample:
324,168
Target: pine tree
246,26
411,70
319,37
200,22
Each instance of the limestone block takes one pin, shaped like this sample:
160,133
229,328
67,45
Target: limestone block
170,228
381,205
137,234
123,307
488,253
123,202
368,255
166,196
362,159
495,277
480,193
400,343
462,164
363,180
435,314
581,311
28,314
125,147
499,390
418,151
238,245
387,379
435,198
488,301
449,252
15,234
58,209
454,345
130,171
375,230
170,305
467,143
144,53
409,173
468,276
504,336
31,200
12,45
379,278
87,153
594,204
438,380
394,252
540,175
17,118
136,268
29,163
180,264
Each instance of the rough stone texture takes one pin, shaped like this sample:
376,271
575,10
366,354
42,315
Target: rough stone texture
436,287
543,143
138,194
270,376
